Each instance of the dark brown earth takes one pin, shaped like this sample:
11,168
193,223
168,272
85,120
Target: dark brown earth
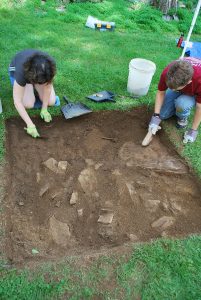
100,188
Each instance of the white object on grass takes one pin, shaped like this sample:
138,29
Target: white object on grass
91,22
140,75
191,28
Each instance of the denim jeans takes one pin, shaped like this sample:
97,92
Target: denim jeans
176,103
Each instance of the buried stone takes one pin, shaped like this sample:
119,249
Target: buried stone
106,216
163,222
87,180
59,231
56,167
44,189
74,198
51,164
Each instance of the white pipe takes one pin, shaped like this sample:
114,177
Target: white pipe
191,28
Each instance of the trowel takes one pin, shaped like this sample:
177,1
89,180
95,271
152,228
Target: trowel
148,138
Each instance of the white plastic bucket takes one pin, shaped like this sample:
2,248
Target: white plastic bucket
140,75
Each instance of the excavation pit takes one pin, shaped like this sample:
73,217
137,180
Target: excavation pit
89,184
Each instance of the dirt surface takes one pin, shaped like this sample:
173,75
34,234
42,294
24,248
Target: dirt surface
90,184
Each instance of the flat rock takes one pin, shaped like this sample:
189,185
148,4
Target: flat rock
74,198
163,222
176,208
149,158
106,216
88,181
44,189
62,167
60,232
51,164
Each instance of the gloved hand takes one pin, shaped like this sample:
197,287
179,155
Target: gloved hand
45,115
154,124
31,130
190,136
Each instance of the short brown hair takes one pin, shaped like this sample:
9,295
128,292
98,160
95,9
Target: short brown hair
179,74
39,68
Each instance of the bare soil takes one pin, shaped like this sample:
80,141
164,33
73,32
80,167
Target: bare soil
89,184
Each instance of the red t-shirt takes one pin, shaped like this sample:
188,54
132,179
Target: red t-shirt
191,89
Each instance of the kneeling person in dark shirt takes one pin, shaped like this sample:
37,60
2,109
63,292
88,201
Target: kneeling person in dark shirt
31,75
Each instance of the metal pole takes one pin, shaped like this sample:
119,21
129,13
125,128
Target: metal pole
191,28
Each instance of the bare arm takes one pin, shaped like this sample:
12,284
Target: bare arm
197,117
18,93
46,95
159,101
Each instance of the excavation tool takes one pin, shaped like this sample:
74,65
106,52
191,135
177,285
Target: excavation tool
102,96
72,110
148,138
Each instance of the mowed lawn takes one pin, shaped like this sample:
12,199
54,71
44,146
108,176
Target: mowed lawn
89,61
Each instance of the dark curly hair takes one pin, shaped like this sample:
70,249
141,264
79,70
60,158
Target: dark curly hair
39,68
179,74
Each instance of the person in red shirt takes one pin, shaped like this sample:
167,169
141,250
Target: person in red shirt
179,90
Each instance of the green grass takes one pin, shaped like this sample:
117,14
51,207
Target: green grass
89,61
160,270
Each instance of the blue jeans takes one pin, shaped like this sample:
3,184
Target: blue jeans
176,103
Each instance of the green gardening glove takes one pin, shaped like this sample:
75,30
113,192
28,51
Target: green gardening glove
45,115
31,130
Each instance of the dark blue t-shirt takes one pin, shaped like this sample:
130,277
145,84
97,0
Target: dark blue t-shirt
16,66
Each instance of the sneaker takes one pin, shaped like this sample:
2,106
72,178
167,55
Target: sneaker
57,102
182,123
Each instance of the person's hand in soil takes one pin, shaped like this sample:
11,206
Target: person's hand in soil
31,130
154,124
45,115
